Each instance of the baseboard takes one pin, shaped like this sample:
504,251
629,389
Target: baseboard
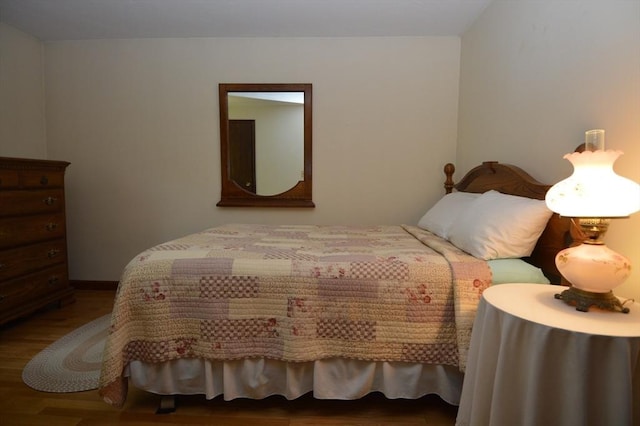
94,285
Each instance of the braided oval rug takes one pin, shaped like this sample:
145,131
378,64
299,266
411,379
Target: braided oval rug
72,363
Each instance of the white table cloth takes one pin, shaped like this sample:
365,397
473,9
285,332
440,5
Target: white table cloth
535,360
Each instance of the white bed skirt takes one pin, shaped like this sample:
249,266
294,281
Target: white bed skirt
327,379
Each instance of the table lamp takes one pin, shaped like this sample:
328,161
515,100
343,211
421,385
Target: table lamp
591,197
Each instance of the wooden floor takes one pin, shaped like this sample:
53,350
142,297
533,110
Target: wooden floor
21,405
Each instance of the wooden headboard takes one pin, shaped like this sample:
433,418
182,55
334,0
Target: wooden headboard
513,180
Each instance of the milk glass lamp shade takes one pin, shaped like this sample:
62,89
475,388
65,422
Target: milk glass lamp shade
594,189
593,195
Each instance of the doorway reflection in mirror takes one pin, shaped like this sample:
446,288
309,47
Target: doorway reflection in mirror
266,140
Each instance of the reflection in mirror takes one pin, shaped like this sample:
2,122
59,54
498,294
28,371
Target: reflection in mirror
265,145
266,129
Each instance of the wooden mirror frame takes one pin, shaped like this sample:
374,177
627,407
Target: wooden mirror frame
233,195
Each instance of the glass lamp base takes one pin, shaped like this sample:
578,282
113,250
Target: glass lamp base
583,300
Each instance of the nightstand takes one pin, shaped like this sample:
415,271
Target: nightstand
535,360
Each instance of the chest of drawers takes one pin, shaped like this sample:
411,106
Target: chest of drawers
33,245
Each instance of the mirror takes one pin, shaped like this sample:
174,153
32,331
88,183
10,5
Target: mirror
265,145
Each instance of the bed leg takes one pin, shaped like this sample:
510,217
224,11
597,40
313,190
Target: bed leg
167,404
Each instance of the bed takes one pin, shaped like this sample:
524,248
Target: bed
248,310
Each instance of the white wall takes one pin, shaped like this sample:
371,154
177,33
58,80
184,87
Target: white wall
22,118
138,120
535,75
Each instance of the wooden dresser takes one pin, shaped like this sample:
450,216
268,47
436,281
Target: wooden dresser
33,246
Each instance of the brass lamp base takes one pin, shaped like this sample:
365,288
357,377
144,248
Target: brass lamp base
583,300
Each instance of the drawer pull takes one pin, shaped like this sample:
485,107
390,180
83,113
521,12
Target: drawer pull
50,201
53,280
2,296
44,180
52,253
51,226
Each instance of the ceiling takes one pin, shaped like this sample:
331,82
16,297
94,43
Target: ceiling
51,20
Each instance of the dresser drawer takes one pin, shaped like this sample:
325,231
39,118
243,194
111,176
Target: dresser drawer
31,179
9,179
29,287
19,261
41,179
30,229
20,202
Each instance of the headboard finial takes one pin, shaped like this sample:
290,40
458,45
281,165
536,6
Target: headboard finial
449,170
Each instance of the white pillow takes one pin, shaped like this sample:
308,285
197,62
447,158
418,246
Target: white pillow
500,226
439,218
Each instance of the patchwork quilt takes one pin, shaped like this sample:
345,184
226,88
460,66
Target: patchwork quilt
294,293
